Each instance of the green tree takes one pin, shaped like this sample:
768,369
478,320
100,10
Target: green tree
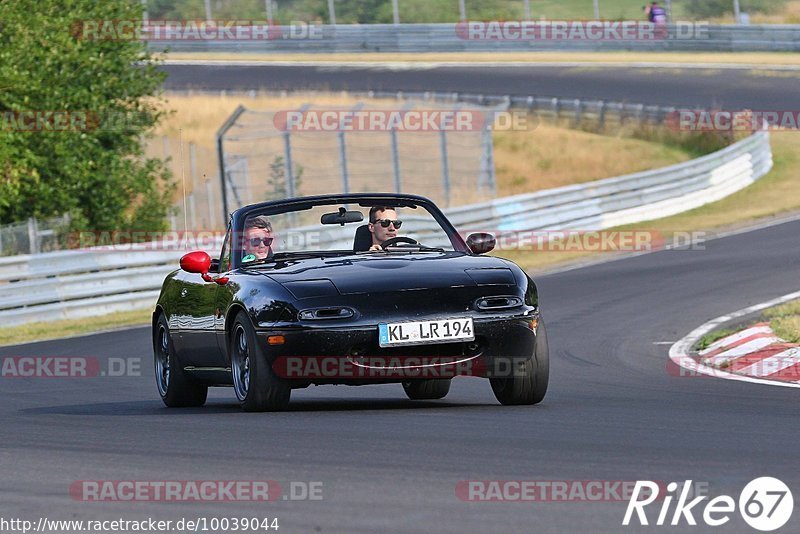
97,173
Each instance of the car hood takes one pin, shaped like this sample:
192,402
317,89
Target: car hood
378,273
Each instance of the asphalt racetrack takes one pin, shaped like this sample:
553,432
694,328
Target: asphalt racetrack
615,410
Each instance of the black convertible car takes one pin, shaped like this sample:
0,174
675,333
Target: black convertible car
347,289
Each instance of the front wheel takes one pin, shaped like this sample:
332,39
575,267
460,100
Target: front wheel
427,389
176,389
256,385
528,383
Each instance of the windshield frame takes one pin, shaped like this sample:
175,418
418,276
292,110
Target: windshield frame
277,207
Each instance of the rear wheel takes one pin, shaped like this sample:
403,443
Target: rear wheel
528,383
256,385
427,389
176,389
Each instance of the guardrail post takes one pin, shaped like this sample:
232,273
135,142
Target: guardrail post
578,112
445,166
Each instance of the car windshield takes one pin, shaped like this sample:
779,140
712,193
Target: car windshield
346,229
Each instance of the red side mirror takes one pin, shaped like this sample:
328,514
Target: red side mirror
196,262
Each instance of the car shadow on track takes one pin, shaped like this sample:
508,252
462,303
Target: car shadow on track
311,405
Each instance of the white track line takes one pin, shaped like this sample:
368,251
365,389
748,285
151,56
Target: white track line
742,350
730,340
679,352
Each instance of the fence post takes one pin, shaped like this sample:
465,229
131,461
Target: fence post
33,235
221,157
578,112
487,178
287,159
332,12
343,162
556,106
395,161
209,193
445,166
602,118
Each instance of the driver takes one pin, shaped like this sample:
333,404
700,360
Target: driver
383,225
257,238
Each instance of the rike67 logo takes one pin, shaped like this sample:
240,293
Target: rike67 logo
765,504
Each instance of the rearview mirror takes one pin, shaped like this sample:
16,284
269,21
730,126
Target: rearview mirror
342,217
481,243
196,262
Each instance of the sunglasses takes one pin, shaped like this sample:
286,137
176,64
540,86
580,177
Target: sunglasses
255,241
386,222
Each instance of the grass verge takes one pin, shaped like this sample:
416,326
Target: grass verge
785,320
26,333
712,337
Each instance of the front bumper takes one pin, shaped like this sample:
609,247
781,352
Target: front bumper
351,355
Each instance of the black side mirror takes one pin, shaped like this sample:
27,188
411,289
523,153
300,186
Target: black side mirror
481,243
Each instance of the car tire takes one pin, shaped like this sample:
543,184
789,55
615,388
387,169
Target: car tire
176,389
529,383
256,385
427,389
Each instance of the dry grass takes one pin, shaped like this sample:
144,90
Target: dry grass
544,157
777,192
551,156
790,14
785,320
734,58
72,327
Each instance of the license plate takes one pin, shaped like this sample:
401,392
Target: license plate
423,332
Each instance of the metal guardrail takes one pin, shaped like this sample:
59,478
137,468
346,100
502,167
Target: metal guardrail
346,38
72,284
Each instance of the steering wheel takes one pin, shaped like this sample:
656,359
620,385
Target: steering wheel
396,240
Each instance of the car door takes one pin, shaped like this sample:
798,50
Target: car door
197,307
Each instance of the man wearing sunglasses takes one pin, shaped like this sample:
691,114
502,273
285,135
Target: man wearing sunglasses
257,238
383,224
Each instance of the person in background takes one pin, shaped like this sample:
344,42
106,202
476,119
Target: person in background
656,14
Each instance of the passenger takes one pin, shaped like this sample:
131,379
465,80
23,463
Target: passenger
257,238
